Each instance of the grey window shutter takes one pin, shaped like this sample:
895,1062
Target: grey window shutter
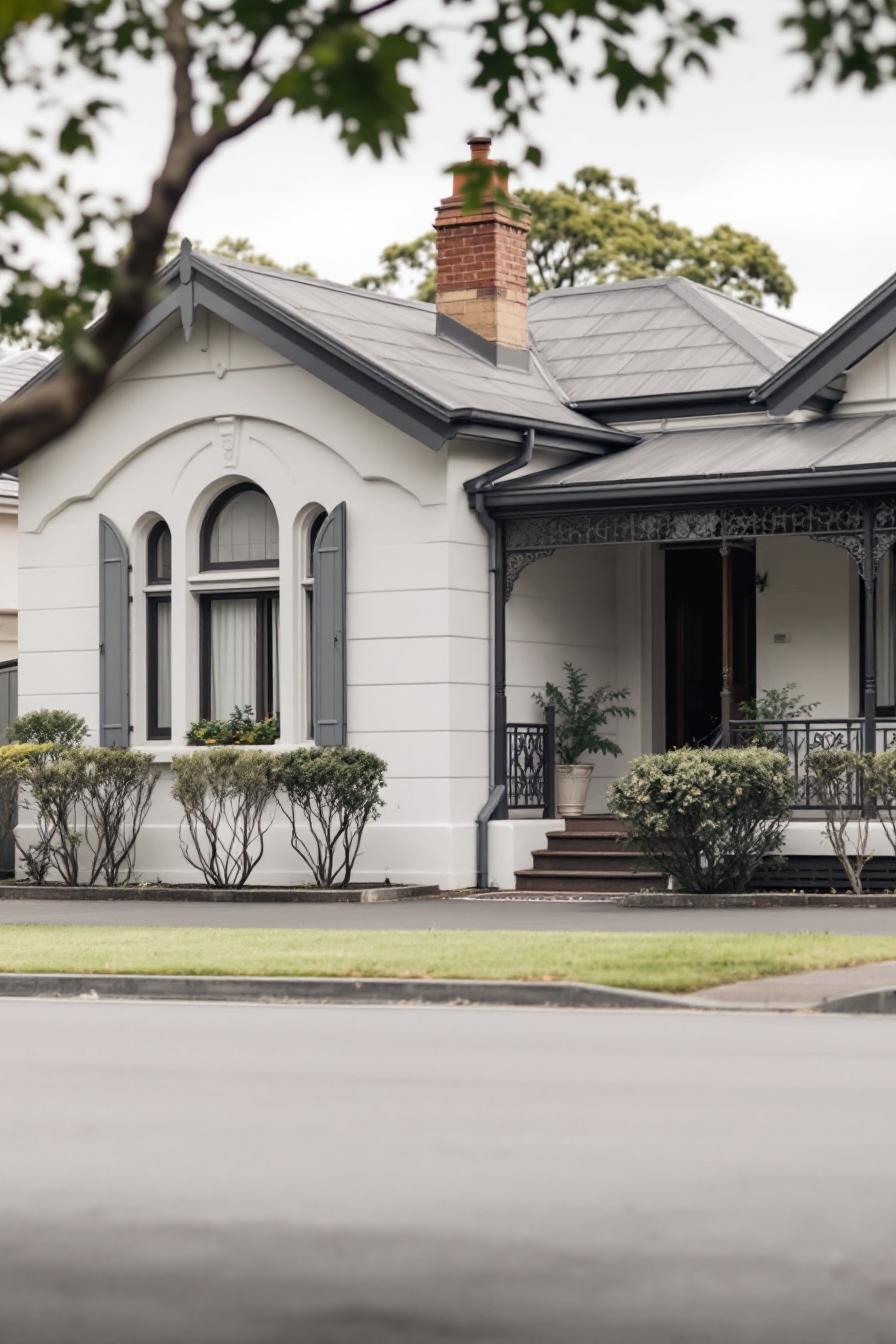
328,678
114,640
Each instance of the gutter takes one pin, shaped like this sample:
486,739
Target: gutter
476,489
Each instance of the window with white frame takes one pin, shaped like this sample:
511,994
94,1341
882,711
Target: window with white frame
158,633
240,622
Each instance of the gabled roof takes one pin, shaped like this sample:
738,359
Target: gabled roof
18,368
850,339
658,338
380,351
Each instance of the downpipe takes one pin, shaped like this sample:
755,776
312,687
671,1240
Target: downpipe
496,806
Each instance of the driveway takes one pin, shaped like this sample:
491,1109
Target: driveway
266,1175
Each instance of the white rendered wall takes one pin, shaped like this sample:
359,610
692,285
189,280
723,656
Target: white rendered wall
873,379
176,428
810,601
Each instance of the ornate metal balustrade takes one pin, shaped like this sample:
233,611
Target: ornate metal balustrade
531,760
797,737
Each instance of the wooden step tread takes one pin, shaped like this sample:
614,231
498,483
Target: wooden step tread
567,873
632,855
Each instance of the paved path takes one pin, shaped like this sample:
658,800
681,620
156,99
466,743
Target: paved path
263,1175
448,914
806,989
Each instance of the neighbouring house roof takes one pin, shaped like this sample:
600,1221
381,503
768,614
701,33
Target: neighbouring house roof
18,368
655,339
690,461
828,357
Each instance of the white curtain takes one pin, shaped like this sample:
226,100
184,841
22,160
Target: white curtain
885,596
233,637
163,664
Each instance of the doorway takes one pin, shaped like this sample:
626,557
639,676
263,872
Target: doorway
694,639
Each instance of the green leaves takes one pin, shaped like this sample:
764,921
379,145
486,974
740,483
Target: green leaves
581,714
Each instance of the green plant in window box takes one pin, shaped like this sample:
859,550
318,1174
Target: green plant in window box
241,729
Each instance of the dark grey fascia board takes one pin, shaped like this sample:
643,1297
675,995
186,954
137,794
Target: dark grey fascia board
733,401
501,356
856,334
514,500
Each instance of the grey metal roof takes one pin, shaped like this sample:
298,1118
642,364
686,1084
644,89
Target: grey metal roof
657,337
16,369
399,336
835,442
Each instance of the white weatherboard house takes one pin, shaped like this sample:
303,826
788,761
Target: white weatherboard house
390,522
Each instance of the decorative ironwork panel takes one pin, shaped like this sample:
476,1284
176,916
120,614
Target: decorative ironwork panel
838,521
517,561
796,738
526,756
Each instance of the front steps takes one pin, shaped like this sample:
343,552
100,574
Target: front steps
592,856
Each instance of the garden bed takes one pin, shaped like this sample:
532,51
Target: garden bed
355,894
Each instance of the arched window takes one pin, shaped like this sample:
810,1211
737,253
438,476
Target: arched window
158,632
240,627
240,531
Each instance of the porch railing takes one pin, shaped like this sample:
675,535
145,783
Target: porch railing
797,737
531,761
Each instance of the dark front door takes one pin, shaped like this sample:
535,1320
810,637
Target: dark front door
694,640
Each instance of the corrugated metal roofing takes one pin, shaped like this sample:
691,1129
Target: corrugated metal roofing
16,369
816,445
399,336
657,337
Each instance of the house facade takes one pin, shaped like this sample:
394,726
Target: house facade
389,523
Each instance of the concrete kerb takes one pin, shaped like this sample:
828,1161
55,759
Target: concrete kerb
227,895
314,989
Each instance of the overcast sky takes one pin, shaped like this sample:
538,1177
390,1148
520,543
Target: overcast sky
813,174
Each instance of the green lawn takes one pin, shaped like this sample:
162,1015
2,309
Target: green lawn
671,962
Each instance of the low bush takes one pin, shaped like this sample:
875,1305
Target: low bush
116,795
336,791
56,727
838,779
707,818
786,702
880,782
240,729
53,783
226,796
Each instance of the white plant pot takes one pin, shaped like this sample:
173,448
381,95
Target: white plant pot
572,789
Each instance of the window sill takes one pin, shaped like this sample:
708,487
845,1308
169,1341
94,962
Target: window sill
162,752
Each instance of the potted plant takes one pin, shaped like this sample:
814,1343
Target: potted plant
581,714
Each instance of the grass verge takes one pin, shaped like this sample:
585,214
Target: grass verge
675,963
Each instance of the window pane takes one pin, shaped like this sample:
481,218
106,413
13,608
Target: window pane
275,655
163,667
160,556
233,648
245,531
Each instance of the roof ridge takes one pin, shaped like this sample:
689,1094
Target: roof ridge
750,307
314,281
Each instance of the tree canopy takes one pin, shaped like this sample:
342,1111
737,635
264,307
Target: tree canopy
233,63
596,230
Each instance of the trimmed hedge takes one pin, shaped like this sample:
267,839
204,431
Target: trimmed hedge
707,817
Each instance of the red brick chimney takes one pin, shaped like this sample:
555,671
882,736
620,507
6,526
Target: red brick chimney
481,267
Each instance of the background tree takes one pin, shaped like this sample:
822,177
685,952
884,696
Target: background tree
597,229
238,249
235,62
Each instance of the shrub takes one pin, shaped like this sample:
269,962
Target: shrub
582,714
240,729
880,781
337,790
786,703
54,782
226,798
837,777
117,791
707,818
57,727
14,759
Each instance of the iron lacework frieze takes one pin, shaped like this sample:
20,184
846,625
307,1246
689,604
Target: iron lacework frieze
840,522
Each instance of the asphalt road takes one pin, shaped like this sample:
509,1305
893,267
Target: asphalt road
252,1175
448,914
